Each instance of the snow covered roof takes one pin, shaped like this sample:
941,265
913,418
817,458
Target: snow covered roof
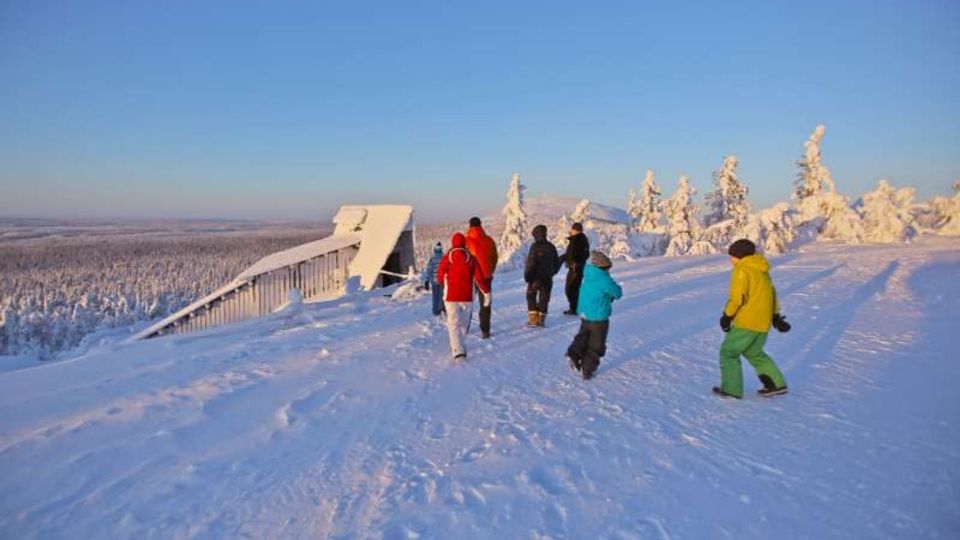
300,253
379,227
166,321
375,229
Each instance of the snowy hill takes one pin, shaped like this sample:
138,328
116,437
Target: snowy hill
349,420
546,208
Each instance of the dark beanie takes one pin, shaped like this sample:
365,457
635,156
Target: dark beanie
474,221
742,248
577,227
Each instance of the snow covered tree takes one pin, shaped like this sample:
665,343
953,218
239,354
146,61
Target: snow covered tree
559,231
683,224
772,229
580,212
940,215
728,200
951,214
646,234
617,240
814,177
843,224
515,221
633,209
647,214
820,210
886,214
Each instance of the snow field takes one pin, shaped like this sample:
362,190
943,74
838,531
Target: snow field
349,420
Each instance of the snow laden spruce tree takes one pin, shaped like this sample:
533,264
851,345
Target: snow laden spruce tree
887,216
950,213
940,215
514,226
728,209
646,219
561,228
821,211
772,229
581,211
728,200
683,223
646,214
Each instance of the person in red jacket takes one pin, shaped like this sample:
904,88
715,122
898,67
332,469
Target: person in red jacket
460,272
484,249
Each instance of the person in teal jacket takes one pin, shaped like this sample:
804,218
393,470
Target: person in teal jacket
594,305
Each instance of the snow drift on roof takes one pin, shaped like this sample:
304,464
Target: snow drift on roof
299,253
379,227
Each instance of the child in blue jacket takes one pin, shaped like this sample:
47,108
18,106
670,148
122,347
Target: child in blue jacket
430,279
597,293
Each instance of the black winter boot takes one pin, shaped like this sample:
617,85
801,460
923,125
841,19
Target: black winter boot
769,388
718,391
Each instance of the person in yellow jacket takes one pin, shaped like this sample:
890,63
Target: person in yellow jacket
747,317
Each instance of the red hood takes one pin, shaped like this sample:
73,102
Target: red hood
458,240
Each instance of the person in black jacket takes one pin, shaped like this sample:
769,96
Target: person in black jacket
578,251
542,264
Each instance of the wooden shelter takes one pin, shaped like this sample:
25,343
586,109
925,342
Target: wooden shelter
374,244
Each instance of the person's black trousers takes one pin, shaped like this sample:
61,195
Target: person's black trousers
589,345
484,312
538,295
574,279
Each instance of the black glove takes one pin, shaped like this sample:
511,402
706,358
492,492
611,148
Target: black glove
780,323
725,322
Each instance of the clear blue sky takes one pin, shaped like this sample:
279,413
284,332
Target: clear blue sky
288,109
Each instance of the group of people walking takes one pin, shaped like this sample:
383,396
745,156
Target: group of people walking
466,270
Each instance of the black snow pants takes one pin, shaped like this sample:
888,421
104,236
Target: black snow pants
574,279
485,311
589,345
538,295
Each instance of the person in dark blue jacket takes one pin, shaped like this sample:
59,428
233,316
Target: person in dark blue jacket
430,279
594,306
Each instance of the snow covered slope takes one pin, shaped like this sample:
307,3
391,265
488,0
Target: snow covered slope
350,421
546,208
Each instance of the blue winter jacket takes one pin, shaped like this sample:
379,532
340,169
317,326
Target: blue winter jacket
432,266
597,292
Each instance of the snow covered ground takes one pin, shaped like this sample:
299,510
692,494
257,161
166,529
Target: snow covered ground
349,420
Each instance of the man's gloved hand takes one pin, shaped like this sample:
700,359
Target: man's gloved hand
780,323
725,322
487,299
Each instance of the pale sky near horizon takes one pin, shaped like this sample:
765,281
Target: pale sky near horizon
287,110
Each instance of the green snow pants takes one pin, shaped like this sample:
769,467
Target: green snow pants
749,344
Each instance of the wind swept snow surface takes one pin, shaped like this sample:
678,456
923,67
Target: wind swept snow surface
349,420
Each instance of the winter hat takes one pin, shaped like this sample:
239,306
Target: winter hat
438,249
577,226
474,221
539,232
742,248
458,240
600,260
